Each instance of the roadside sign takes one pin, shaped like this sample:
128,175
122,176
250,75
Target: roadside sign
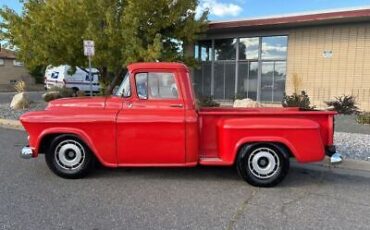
89,51
89,48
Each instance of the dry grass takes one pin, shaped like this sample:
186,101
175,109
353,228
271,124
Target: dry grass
20,86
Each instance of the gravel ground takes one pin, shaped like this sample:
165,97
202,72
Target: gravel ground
7,113
353,145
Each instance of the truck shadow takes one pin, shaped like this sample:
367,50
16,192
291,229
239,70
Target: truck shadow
299,176
194,173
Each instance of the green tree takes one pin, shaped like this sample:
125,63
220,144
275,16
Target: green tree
124,31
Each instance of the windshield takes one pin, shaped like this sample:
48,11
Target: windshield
124,88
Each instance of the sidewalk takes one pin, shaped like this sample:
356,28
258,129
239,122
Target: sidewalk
11,124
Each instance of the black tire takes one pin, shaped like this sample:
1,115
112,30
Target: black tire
263,164
69,157
75,91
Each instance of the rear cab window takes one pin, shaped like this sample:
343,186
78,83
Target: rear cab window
156,85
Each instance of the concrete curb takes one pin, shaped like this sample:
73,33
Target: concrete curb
347,164
11,124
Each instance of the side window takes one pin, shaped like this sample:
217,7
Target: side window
156,86
124,90
142,85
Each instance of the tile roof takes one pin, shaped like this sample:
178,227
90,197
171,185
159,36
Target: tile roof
7,54
305,18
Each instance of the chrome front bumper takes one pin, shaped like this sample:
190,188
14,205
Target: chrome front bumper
26,153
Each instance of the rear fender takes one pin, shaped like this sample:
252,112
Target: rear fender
301,137
246,147
283,145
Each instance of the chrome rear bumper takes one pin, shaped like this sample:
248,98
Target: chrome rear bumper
335,157
26,153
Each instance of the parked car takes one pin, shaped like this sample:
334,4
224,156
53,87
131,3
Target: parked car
60,76
153,121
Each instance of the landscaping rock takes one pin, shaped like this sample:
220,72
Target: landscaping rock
19,101
246,103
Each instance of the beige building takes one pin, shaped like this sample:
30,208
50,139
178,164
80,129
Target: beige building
11,70
329,52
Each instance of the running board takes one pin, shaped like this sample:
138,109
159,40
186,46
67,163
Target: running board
213,161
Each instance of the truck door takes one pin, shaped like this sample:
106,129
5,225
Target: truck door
151,126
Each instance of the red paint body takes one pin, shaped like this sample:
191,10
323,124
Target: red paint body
135,132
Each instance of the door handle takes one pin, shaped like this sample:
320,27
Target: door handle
176,105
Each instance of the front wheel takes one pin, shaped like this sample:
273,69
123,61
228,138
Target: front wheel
69,157
263,165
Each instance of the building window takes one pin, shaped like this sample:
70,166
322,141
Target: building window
225,49
248,48
273,68
251,67
203,74
17,63
203,50
224,80
2,62
274,47
248,80
224,68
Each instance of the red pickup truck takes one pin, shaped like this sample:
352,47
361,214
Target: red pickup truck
153,121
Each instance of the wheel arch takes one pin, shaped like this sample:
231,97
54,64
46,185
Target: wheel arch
283,146
49,135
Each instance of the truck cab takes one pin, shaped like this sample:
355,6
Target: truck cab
153,121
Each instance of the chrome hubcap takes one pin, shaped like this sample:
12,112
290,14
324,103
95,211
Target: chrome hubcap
69,154
263,163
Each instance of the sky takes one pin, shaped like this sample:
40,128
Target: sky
234,9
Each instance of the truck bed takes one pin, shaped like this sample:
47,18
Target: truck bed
211,120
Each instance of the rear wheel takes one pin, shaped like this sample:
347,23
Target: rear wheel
263,165
69,157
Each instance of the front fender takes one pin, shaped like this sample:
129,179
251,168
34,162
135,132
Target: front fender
96,127
77,132
301,136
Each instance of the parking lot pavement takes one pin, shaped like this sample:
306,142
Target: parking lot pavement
31,197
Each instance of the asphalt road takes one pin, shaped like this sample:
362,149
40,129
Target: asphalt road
6,97
31,197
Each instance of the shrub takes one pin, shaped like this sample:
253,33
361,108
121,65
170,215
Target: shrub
207,102
80,94
297,100
20,86
56,93
37,73
344,105
363,118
